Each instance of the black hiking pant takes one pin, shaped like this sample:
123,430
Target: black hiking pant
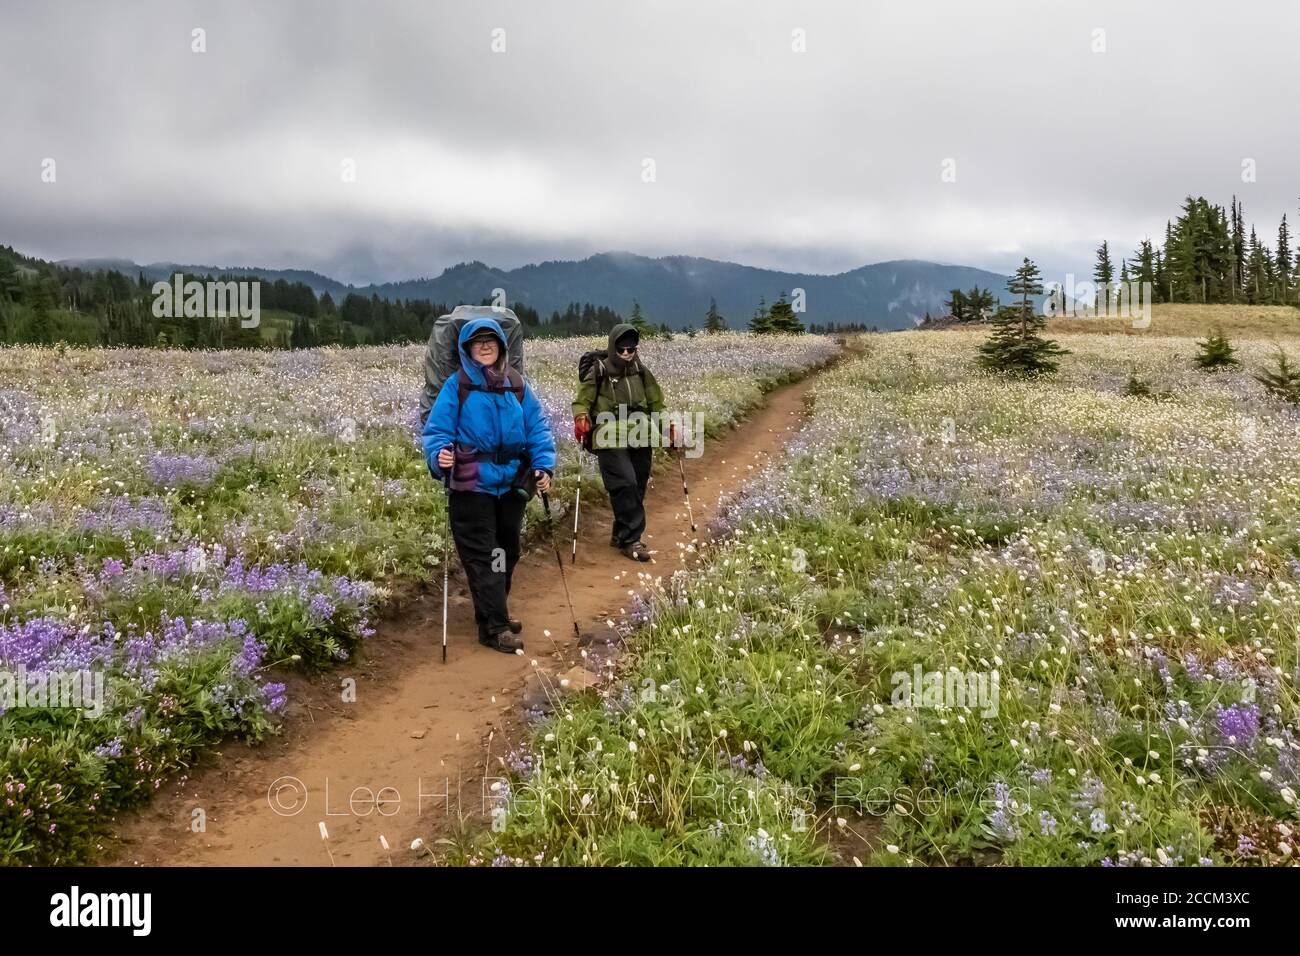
486,531
625,472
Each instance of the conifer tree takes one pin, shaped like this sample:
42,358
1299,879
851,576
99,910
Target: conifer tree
1238,249
1216,352
1015,347
1198,253
1256,273
1136,386
1221,265
1283,380
713,322
782,318
979,304
1103,274
10,287
1283,260
1144,264
44,297
956,304
1170,275
638,321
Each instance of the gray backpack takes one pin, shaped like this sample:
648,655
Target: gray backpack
442,356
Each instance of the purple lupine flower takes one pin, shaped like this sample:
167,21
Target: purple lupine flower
1238,725
521,762
121,516
275,697
172,471
111,749
1225,670
1161,664
1091,791
250,654
321,608
111,570
43,644
1233,591
1000,821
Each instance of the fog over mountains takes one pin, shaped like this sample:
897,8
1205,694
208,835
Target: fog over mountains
672,289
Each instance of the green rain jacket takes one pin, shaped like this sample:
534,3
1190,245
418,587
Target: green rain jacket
630,384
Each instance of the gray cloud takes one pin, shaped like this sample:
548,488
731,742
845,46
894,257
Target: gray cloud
817,161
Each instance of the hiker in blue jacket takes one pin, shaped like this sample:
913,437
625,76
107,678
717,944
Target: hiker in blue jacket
487,437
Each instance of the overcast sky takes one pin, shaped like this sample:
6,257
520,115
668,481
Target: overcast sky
819,161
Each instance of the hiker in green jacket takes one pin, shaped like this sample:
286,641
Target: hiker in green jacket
614,388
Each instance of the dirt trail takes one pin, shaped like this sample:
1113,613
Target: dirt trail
409,756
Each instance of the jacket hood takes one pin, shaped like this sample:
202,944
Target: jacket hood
617,332
615,361
471,367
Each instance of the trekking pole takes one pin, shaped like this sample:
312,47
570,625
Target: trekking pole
577,501
686,491
546,505
445,570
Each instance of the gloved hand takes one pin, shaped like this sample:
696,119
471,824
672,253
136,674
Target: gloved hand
581,426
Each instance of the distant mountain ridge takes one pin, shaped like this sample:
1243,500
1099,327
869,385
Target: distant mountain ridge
671,289
154,271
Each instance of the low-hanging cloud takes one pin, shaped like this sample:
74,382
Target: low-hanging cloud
818,160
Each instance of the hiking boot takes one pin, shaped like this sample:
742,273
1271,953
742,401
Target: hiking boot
637,551
489,640
613,542
508,643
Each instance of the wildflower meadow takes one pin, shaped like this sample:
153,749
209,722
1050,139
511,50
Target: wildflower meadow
186,524
965,620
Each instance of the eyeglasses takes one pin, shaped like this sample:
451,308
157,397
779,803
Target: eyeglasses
627,351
